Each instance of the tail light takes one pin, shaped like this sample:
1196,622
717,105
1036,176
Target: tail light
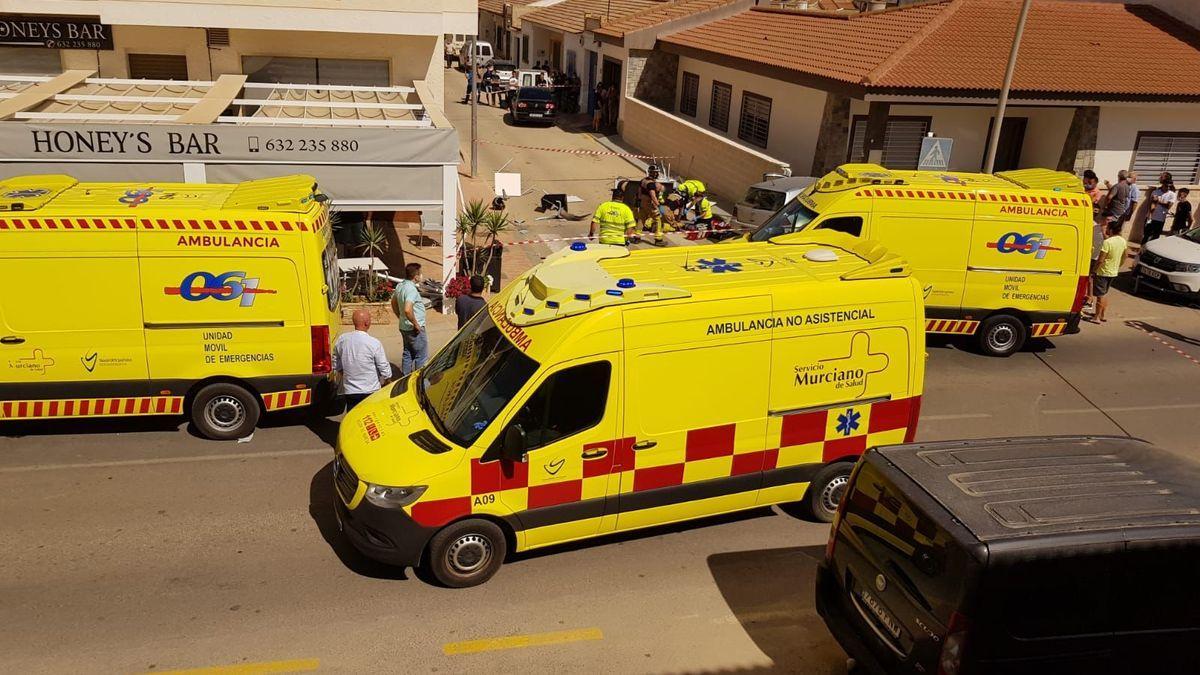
322,360
522,105
1080,295
914,414
950,661
549,106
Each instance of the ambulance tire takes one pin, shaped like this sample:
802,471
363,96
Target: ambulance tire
826,491
466,553
1002,335
223,411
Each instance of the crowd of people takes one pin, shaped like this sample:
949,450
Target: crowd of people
660,209
495,90
1112,208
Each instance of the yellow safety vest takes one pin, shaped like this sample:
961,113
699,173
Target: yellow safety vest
691,186
614,218
704,209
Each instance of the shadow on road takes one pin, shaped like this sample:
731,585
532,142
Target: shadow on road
320,509
771,592
969,344
1155,330
63,426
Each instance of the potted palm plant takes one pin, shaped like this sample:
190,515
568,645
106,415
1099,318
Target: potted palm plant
481,253
364,288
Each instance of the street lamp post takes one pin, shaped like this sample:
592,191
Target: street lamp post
994,141
473,92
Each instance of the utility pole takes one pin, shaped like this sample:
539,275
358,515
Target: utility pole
473,92
994,142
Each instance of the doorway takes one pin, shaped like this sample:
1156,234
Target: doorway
611,75
591,82
1012,139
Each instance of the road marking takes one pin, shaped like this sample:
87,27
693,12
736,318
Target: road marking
167,460
521,641
293,666
964,416
1127,408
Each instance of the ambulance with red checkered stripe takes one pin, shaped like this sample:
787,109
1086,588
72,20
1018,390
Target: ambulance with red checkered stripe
607,390
1003,257
116,299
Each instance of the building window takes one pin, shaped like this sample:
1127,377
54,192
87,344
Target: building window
755,123
901,141
1177,152
31,61
296,70
689,94
158,67
571,63
718,112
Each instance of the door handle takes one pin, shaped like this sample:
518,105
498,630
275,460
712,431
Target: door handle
643,445
595,453
11,340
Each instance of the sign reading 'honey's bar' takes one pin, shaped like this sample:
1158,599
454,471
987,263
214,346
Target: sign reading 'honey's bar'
54,32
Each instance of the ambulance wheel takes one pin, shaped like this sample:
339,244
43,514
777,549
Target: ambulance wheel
1002,335
827,490
224,411
466,553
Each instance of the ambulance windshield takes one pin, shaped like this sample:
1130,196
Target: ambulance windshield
791,218
470,381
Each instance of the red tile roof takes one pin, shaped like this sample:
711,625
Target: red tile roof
657,16
567,16
497,6
1069,47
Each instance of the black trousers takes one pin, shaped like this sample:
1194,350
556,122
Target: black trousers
1154,230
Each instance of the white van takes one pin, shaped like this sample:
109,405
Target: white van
483,51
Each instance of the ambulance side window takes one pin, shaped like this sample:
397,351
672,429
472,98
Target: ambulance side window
566,403
851,225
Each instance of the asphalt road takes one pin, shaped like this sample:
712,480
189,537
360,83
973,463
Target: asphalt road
133,549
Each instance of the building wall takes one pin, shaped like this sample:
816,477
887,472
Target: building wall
795,111
1187,10
539,45
409,57
1119,127
726,168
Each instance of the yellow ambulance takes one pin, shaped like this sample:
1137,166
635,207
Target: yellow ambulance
607,390
1002,257
213,301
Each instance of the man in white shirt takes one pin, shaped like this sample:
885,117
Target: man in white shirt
1163,199
360,360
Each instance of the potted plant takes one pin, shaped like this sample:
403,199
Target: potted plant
481,253
364,288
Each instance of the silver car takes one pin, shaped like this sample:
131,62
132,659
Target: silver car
1171,264
763,199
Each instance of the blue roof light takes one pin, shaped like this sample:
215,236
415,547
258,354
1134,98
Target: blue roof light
625,283
578,246
552,304
528,310
613,291
582,296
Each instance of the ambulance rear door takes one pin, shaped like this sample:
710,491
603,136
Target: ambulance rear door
695,408
934,235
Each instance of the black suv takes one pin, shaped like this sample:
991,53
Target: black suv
533,104
1026,555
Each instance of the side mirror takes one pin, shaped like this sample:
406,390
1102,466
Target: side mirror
514,443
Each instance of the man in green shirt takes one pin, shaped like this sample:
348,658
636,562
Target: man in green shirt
1108,266
410,310
614,219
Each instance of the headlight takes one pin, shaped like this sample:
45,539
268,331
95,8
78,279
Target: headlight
393,497
1190,268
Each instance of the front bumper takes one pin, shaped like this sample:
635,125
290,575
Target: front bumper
389,536
1187,283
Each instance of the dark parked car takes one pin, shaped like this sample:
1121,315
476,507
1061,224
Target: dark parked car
1028,555
533,104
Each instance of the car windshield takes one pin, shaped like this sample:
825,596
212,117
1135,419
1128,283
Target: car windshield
470,381
764,199
536,94
1192,235
791,218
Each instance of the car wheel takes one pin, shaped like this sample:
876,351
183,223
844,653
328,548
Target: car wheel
466,553
826,491
224,411
1002,335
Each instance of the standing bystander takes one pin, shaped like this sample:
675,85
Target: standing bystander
1161,201
614,220
1112,254
410,310
1183,213
467,306
360,360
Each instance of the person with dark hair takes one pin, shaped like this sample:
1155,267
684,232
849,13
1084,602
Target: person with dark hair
649,199
467,306
1183,213
1162,199
409,308
614,220
1112,254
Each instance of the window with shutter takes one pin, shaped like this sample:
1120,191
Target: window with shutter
158,67
1176,152
689,94
718,112
754,125
901,141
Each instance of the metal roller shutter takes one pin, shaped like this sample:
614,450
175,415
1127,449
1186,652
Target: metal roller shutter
158,67
1178,153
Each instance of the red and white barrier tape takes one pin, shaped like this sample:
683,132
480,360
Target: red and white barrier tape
572,151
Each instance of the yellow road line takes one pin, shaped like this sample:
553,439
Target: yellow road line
293,666
519,641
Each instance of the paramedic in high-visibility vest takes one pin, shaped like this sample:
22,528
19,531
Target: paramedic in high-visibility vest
690,188
703,209
614,219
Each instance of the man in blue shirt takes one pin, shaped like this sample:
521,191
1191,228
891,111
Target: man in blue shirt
410,310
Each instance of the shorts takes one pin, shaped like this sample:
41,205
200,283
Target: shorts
1101,284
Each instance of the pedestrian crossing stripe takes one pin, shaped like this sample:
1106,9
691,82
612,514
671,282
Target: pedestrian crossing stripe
91,407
